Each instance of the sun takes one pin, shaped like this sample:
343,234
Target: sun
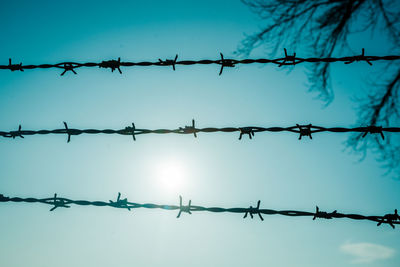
171,175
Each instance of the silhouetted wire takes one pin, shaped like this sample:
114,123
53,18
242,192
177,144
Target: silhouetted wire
59,202
223,62
302,130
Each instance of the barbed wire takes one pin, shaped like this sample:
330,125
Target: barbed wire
391,219
302,130
223,62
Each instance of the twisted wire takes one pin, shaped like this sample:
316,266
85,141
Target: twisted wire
391,219
302,130
223,62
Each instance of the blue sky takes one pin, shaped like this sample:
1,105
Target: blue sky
212,170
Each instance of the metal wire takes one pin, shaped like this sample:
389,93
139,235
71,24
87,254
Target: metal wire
302,130
60,202
223,62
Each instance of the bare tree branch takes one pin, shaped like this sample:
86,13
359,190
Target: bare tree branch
380,107
324,26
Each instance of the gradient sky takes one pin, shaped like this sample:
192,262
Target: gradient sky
212,170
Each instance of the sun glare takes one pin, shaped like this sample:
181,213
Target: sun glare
170,174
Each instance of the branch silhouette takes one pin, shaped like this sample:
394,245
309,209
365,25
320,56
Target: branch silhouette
323,27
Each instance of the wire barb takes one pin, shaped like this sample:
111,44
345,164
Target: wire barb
120,203
13,134
3,198
287,58
58,203
323,214
14,67
168,62
112,64
252,211
68,132
132,131
189,129
361,57
225,63
390,218
304,130
68,67
246,130
374,130
184,208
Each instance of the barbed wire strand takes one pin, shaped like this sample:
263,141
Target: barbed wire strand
306,130
223,62
56,202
